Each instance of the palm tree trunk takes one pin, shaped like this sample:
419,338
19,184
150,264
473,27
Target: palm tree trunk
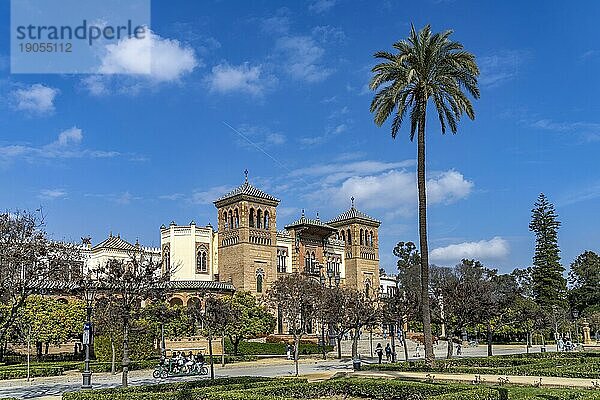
428,339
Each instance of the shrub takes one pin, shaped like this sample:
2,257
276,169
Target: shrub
141,347
259,348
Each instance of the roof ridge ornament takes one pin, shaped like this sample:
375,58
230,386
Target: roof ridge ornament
352,201
246,175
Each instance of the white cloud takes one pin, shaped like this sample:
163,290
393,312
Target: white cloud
52,194
161,59
397,189
330,132
493,249
302,58
225,78
321,6
587,131
275,138
66,145
327,33
70,136
337,172
209,195
123,198
278,23
36,99
134,64
258,136
500,67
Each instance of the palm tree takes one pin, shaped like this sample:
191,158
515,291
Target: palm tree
426,67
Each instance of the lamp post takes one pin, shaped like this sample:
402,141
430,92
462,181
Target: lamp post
575,316
555,317
89,292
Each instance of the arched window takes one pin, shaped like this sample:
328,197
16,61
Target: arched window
167,258
349,236
252,218
225,223
259,280
307,262
231,219
202,260
362,237
266,225
176,301
259,219
237,218
371,236
368,287
343,236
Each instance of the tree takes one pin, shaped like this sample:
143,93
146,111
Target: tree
131,281
502,293
45,321
295,295
584,278
250,319
217,314
108,323
405,304
548,284
426,67
28,259
164,320
462,293
360,311
332,306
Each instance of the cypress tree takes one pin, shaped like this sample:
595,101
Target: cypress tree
549,286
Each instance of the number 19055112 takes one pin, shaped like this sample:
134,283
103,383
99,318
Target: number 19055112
36,47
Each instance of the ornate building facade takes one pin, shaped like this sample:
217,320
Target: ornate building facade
249,252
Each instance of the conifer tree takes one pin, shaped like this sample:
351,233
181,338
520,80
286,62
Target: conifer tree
548,283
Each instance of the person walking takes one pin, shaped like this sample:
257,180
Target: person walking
388,352
379,351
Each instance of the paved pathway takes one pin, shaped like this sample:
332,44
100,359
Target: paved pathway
520,380
53,387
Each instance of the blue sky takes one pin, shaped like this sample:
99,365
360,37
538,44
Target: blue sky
126,154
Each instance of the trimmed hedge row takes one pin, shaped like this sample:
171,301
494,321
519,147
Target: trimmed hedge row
19,371
260,348
247,388
36,370
585,365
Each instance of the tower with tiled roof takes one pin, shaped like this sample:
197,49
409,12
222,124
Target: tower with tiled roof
360,234
247,238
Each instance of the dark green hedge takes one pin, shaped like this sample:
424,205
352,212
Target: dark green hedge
247,388
259,348
569,365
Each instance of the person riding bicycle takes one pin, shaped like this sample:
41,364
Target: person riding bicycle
200,358
189,360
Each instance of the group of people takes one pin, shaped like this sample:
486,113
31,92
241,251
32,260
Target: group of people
179,360
379,350
565,344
